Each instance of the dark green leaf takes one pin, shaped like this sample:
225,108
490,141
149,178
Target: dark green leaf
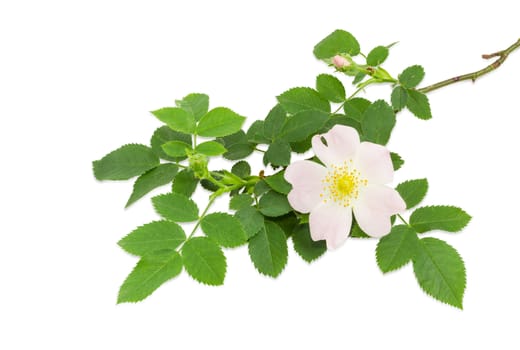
153,237
156,177
399,98
418,104
239,151
356,231
274,122
303,124
251,219
125,162
204,261
165,134
378,122
355,108
397,161
241,169
176,207
274,204
278,153
302,99
210,148
287,223
149,274
277,182
337,42
440,217
268,250
397,248
224,229
377,56
308,249
330,87
411,76
176,118
240,201
261,187
176,148
341,120
185,183
255,133
196,104
302,146
440,271
413,191
219,122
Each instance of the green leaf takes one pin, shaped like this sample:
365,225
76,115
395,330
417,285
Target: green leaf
411,76
330,87
240,201
274,122
337,42
219,122
397,248
418,104
287,223
378,122
440,217
176,118
355,108
156,177
274,204
277,182
397,161
149,274
185,183
278,153
302,146
303,99
261,187
377,56
268,250
211,148
356,231
176,207
440,271
241,169
195,104
204,261
125,162
399,98
341,120
358,78
413,191
251,219
255,133
308,249
237,145
303,124
152,237
163,135
176,148
224,229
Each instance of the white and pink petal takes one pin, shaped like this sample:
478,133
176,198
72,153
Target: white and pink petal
330,222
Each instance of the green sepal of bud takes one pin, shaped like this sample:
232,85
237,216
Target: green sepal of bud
199,164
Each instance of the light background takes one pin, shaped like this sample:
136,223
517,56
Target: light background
77,79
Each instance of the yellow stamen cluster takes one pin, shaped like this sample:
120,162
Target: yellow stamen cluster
341,185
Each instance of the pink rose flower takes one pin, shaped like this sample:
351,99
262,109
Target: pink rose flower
352,181
340,62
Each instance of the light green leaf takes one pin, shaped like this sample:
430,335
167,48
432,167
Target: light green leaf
149,274
274,204
224,229
418,104
195,104
413,191
219,122
204,261
440,271
176,207
278,153
176,148
185,183
337,42
268,249
355,108
397,248
330,87
277,182
240,201
397,161
308,249
251,219
378,122
163,135
125,162
153,237
241,169
176,118
156,177
303,99
356,231
440,217
255,133
211,148
377,56
303,124
399,98
274,122
411,76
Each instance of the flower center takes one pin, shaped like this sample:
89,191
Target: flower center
342,183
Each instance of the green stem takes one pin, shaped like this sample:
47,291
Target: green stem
403,220
211,200
502,56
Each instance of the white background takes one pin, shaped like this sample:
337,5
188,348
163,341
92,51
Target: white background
77,79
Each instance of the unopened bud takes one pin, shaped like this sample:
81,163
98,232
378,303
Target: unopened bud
199,165
340,62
